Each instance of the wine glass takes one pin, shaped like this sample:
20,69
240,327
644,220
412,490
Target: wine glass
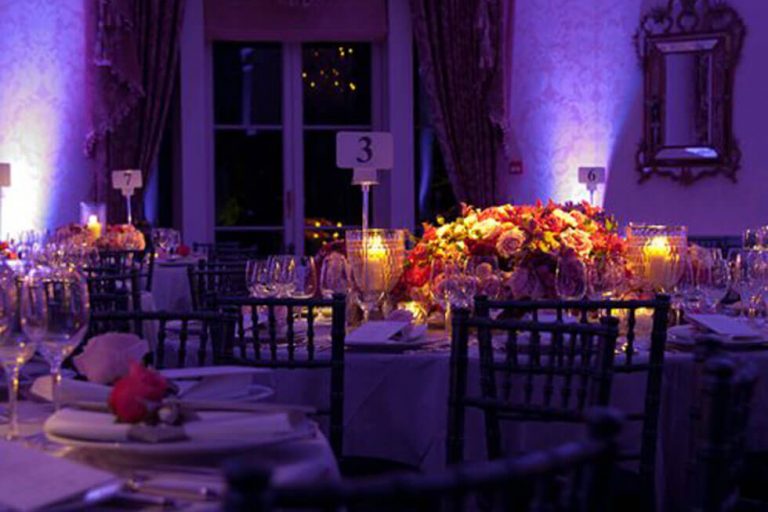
282,271
304,278
715,283
15,348
334,275
54,314
571,278
485,270
606,279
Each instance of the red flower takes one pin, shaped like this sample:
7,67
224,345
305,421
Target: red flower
131,394
183,250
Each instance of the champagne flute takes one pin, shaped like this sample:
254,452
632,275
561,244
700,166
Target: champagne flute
334,275
15,348
54,314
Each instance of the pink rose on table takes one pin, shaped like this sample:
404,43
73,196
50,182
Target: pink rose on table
107,357
510,242
576,240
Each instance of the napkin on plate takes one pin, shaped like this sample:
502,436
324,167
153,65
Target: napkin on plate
211,426
730,327
205,383
397,328
107,357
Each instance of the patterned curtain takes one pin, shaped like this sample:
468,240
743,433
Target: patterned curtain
136,52
464,48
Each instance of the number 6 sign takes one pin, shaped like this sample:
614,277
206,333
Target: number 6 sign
364,150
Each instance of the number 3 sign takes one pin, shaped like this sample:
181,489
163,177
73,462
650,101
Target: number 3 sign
364,150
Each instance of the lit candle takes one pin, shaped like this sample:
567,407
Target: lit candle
94,227
375,260
657,255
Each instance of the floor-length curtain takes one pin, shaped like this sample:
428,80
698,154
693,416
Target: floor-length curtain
463,50
136,52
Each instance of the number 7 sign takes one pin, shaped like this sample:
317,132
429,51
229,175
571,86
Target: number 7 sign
364,150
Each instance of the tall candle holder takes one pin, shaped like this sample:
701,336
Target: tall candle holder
658,254
376,257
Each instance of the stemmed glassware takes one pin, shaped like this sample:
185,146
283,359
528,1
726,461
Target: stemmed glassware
571,278
606,279
282,270
485,270
55,310
714,280
15,348
453,285
304,277
334,275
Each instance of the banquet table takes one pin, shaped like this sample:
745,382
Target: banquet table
170,284
303,461
396,407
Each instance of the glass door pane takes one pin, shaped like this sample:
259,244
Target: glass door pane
336,95
248,143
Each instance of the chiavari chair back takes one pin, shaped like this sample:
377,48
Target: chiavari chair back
535,371
632,314
206,285
109,291
720,415
571,477
205,332
119,262
282,348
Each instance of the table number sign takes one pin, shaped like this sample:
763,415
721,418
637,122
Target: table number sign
127,181
591,177
365,153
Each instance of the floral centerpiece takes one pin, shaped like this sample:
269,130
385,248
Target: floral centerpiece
121,237
527,240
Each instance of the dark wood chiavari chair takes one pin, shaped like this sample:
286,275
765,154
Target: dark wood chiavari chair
551,382
206,285
207,249
207,332
652,366
114,292
252,350
719,418
119,262
570,477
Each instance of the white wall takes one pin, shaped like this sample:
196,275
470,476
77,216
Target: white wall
576,99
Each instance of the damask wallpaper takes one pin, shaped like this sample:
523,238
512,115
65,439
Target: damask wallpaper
43,112
575,100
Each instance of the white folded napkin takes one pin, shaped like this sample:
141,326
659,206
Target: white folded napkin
71,390
211,426
730,327
383,331
107,357
204,383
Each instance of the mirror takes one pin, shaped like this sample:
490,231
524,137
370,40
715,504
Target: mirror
689,50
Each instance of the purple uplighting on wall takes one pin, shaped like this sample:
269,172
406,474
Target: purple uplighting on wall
43,112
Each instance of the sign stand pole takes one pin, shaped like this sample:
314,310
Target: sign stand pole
127,181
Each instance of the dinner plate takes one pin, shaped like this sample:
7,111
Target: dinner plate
388,346
238,443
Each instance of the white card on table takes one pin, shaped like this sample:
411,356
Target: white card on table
377,331
726,326
359,150
32,479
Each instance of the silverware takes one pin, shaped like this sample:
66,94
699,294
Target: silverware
166,490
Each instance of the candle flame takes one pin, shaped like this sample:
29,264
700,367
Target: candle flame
658,245
92,220
376,248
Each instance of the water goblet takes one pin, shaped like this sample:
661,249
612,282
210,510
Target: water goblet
304,278
55,311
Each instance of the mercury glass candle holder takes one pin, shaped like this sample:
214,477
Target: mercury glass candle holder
376,257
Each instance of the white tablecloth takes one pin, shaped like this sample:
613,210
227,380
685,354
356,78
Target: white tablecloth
396,407
304,461
170,285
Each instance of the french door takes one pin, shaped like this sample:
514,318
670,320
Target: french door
277,108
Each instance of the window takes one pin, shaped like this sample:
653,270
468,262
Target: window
277,108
